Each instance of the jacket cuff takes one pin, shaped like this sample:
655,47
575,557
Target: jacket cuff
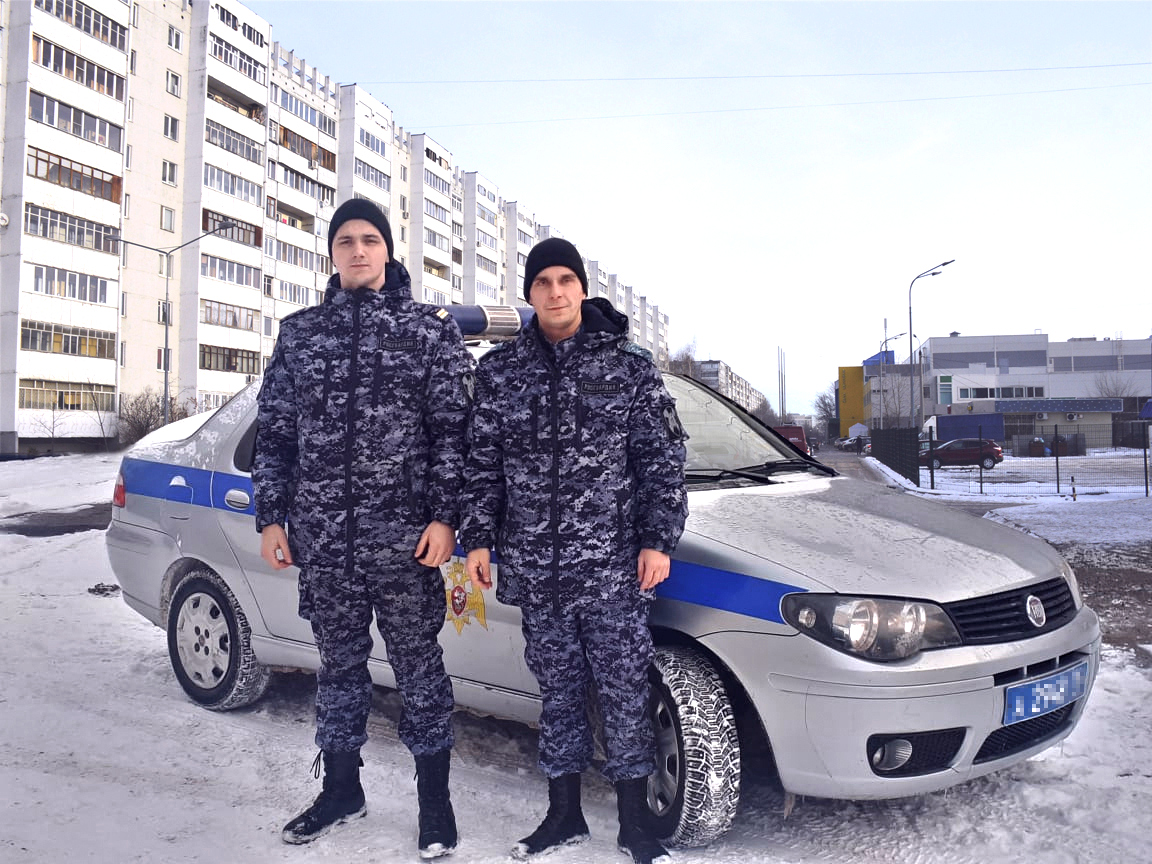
655,541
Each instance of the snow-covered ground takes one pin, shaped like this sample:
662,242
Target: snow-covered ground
104,760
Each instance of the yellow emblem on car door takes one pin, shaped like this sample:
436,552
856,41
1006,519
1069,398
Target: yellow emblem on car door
465,601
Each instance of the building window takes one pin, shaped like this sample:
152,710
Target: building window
123,353
233,142
485,264
65,228
125,202
84,17
240,232
444,187
225,315
132,62
163,359
229,271
45,109
175,38
58,282
65,395
404,173
123,305
165,261
73,175
229,359
172,85
267,326
163,312
230,55
485,239
131,105
373,175
171,127
168,173
268,286
167,218
80,69
434,210
52,338
485,214
432,238
233,184
403,234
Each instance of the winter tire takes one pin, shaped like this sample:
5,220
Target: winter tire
989,463
692,795
209,644
936,464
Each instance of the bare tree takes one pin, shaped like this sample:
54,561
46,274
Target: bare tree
683,360
1113,385
825,405
766,414
102,418
143,412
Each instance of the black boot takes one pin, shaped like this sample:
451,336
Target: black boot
635,837
564,823
339,800
437,821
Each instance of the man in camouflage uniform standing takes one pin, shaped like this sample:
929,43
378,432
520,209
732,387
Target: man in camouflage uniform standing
359,455
576,477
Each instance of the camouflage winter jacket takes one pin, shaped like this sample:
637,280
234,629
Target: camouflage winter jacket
361,426
576,462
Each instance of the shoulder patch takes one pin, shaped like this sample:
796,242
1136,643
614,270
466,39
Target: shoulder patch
441,313
632,348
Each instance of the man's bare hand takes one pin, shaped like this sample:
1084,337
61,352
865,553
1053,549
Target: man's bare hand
479,568
274,547
436,544
652,568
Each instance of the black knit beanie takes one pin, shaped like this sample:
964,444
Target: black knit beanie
360,208
552,252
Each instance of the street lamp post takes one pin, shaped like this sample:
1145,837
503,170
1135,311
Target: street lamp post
167,253
883,347
931,271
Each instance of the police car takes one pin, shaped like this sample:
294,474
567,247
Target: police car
875,645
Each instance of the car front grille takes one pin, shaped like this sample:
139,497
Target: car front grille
1020,736
1003,617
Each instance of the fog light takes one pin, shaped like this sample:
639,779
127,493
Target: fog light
892,755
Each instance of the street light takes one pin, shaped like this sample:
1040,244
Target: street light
882,349
931,271
167,253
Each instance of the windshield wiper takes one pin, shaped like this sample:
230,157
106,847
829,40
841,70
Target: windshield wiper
786,465
726,473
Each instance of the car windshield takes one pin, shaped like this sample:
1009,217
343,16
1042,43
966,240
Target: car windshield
719,437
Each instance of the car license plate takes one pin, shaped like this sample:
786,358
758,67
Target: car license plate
1039,697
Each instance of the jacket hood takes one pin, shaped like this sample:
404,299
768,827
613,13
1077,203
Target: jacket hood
397,284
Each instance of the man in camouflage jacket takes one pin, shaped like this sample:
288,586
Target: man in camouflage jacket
575,476
359,458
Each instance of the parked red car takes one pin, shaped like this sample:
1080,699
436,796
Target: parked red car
964,451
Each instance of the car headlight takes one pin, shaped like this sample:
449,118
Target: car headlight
875,628
1070,577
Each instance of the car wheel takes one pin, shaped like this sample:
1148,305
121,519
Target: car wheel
692,795
209,644
989,463
935,464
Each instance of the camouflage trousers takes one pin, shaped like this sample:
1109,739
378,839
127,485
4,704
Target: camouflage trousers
410,607
607,645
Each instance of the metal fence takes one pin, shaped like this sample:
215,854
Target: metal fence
1059,459
899,450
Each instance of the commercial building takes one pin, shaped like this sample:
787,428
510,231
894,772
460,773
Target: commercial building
217,156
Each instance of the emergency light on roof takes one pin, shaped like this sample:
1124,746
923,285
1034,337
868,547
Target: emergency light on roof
490,322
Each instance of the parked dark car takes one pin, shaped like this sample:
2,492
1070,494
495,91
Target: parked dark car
964,451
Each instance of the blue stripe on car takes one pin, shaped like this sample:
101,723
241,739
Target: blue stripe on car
689,583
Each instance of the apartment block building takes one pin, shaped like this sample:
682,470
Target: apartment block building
169,172
719,376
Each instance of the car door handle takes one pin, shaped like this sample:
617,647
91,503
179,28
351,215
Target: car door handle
237,499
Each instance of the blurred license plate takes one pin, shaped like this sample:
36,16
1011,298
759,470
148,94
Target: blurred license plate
1039,697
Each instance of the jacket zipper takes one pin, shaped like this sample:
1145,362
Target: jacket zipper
555,387
349,441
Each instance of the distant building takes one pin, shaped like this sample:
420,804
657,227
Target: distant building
719,376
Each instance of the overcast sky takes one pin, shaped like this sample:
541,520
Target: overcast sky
788,168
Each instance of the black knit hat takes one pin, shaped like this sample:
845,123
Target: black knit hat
360,208
552,252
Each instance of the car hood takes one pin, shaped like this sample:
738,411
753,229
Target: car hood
853,537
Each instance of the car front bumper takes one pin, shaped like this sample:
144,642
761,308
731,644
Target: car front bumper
819,725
